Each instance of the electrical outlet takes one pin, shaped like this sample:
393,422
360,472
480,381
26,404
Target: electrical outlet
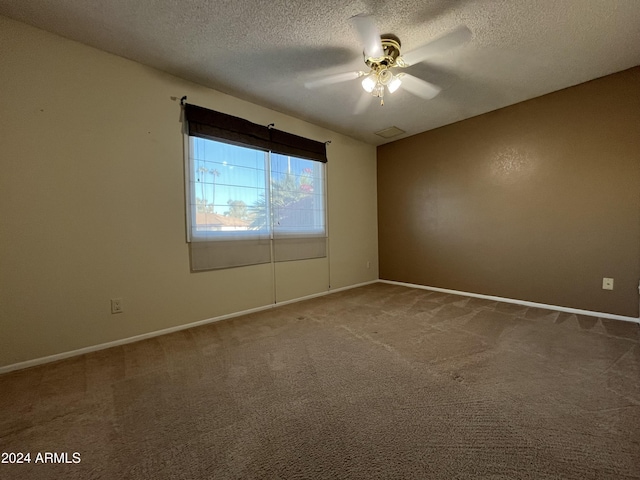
607,283
116,305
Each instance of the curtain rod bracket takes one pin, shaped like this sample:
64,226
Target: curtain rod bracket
271,125
183,100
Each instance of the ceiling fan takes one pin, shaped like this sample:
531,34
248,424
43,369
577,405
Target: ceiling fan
382,57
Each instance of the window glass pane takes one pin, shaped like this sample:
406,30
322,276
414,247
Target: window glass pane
297,195
228,189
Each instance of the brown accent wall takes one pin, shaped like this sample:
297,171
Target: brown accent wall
537,201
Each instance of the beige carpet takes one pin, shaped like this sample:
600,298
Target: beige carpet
377,382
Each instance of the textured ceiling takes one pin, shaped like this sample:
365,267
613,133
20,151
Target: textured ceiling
264,52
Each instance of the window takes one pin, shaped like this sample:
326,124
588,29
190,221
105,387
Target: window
247,204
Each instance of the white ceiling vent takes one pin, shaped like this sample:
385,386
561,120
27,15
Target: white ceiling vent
390,132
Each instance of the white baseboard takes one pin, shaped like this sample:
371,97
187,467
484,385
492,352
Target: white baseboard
519,302
321,294
165,331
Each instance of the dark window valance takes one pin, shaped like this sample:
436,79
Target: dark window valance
219,126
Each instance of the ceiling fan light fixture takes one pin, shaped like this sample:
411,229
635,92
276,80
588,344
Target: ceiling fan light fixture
369,82
395,83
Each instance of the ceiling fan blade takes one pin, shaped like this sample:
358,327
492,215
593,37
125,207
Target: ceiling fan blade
369,35
331,79
363,102
419,87
450,40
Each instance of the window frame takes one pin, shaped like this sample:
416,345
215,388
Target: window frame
272,230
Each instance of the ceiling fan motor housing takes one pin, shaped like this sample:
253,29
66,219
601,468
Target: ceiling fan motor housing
390,48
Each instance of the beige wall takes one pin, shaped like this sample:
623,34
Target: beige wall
92,202
538,201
